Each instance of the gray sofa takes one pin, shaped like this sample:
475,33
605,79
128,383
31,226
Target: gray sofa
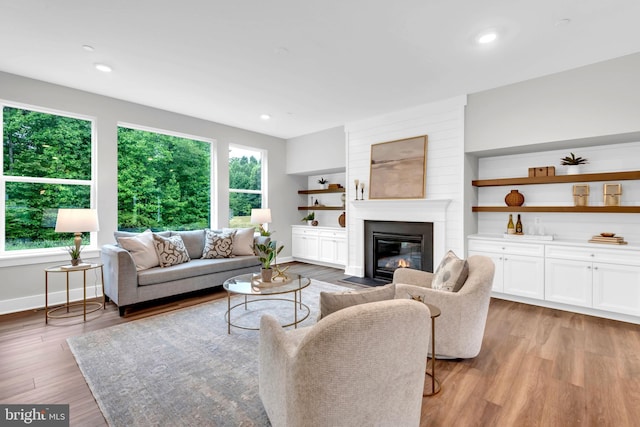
126,286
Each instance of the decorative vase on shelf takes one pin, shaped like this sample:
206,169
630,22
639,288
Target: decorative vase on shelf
342,219
514,198
573,169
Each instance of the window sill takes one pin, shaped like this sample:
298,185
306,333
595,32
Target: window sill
44,257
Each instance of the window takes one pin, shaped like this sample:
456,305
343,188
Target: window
46,165
246,174
164,181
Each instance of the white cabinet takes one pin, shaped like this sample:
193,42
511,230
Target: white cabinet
605,279
322,245
519,266
332,247
568,281
304,243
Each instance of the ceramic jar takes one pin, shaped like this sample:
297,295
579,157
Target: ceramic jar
514,198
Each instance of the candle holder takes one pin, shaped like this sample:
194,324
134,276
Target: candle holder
361,191
356,182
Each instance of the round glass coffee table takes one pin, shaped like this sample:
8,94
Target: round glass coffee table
252,285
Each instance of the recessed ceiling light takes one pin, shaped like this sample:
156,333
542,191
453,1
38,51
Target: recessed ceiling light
565,21
103,67
265,116
487,37
88,48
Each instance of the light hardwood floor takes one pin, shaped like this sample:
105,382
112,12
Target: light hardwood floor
537,367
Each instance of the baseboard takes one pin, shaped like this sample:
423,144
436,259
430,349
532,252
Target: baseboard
36,302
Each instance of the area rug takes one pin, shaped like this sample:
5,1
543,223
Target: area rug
182,368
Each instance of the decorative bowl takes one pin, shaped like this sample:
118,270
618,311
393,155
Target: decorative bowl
607,234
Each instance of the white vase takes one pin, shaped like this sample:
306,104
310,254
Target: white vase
573,169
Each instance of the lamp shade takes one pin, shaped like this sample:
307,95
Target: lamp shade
77,220
260,216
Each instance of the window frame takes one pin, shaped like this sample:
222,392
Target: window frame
4,179
213,214
263,175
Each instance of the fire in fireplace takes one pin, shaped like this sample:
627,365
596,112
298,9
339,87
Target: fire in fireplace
390,245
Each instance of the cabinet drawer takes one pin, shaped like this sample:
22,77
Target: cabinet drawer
332,234
613,256
530,249
304,232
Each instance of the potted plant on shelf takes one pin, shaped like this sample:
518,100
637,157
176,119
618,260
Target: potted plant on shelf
573,163
311,219
323,182
266,254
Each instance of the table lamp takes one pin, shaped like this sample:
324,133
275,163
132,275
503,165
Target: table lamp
77,221
261,216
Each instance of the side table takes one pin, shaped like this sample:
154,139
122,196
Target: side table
95,305
435,384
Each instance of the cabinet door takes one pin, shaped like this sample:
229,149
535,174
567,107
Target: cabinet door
328,249
616,288
297,245
304,245
498,277
568,282
524,276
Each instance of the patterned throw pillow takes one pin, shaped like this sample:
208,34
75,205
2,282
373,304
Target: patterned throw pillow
170,250
451,273
217,245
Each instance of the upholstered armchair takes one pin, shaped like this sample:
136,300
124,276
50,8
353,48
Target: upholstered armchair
363,365
460,328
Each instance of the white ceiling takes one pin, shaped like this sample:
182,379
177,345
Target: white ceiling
310,64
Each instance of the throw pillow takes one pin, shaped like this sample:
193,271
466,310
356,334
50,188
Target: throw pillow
451,273
217,245
242,240
331,302
170,250
141,248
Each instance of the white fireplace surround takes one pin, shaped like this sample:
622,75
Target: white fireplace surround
423,210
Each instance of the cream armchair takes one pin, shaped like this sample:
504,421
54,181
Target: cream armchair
460,328
363,365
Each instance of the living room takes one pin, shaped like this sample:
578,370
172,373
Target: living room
499,132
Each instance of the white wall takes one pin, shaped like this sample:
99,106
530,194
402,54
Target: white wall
590,102
23,278
317,153
443,122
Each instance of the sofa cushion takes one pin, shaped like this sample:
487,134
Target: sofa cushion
141,248
193,268
193,241
217,245
170,250
451,273
333,301
242,240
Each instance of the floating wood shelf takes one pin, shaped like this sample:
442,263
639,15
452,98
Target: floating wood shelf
328,190
585,177
573,209
321,208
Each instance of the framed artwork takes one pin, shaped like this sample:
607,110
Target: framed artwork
398,169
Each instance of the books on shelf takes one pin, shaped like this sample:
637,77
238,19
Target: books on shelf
613,240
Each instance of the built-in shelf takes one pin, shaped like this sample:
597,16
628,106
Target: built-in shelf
585,177
328,190
321,208
574,209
